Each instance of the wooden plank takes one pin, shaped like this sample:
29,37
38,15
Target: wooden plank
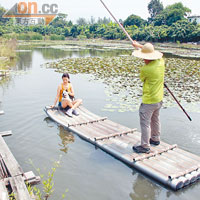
87,131
1,112
153,164
94,116
3,191
174,156
114,147
175,168
4,173
87,115
31,178
190,155
140,157
19,188
12,165
180,168
71,120
6,133
74,119
114,135
115,127
57,117
110,123
82,119
85,122
95,130
154,153
135,139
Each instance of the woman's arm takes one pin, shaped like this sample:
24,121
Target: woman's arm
57,97
72,91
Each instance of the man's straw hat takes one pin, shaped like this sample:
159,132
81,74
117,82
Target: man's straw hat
147,52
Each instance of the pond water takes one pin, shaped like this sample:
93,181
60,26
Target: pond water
88,173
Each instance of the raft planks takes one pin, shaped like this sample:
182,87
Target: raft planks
166,163
19,188
6,133
3,191
12,176
13,167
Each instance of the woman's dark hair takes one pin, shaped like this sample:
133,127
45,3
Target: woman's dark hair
65,75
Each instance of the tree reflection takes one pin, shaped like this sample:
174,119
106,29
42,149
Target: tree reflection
24,60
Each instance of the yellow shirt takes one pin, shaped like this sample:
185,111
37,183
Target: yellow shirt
69,89
152,76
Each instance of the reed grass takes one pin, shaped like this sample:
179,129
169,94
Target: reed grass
7,53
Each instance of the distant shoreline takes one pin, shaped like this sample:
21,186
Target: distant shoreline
185,50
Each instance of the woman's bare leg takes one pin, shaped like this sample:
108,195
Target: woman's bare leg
66,103
76,103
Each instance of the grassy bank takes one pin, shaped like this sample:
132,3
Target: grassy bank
7,53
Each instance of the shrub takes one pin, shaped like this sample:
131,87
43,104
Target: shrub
29,36
57,37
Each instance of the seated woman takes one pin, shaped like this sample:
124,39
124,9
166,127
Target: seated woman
64,101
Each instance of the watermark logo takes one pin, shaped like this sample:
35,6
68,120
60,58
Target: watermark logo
28,12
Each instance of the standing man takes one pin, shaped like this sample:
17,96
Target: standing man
152,76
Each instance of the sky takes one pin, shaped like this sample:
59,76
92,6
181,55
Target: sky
120,8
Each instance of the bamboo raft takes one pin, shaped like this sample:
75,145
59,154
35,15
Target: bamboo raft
168,164
12,177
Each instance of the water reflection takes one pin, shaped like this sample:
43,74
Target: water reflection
57,53
66,138
52,53
49,122
143,189
5,83
24,60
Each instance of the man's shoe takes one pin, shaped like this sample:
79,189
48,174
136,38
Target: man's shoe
75,112
156,143
140,149
69,112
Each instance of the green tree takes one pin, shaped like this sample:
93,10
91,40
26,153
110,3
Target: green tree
181,31
66,32
92,20
134,20
1,31
75,31
103,20
171,14
70,23
93,28
59,21
195,36
154,8
81,21
2,20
